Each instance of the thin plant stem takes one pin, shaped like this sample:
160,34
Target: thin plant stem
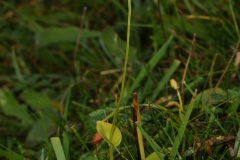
186,67
123,80
180,101
211,70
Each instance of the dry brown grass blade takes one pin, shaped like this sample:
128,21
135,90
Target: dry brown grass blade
186,67
135,112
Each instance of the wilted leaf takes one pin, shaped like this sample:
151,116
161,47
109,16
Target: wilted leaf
104,130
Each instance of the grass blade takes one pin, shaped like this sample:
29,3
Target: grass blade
149,141
16,67
42,155
65,114
149,66
182,127
10,155
165,79
66,144
57,146
80,139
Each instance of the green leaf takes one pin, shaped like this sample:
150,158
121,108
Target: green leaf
37,100
104,130
154,156
38,132
54,35
12,108
203,96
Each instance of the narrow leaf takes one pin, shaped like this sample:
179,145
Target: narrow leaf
150,65
150,141
57,146
54,35
182,128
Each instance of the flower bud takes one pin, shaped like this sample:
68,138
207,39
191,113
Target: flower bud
174,84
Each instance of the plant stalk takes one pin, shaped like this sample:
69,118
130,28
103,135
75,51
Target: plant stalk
123,81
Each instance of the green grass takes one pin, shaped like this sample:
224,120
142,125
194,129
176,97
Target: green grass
44,95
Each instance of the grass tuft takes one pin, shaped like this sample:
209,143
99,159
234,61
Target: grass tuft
58,79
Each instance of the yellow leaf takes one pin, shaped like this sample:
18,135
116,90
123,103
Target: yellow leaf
104,129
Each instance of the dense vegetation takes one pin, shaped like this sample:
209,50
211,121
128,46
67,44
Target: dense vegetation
62,68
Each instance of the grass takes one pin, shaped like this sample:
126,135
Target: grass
48,91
